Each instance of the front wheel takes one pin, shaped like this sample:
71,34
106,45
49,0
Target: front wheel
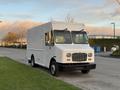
85,71
32,61
54,68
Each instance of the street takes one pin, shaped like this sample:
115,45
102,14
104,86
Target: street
105,77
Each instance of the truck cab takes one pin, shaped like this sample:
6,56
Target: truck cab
61,49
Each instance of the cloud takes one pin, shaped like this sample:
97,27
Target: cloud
116,12
19,26
92,30
114,5
111,2
109,10
16,26
53,2
13,1
82,10
22,15
118,1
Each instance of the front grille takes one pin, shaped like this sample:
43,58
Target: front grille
79,57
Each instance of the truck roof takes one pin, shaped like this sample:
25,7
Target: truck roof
56,25
69,26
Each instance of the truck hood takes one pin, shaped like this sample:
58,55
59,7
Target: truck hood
75,47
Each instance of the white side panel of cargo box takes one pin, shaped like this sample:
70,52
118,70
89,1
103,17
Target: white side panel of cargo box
36,43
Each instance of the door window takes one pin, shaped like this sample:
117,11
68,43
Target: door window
49,40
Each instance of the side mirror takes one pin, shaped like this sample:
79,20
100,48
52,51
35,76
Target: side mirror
50,43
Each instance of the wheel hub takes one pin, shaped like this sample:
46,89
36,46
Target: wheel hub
53,69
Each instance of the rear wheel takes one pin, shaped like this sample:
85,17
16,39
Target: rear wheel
54,68
32,61
85,71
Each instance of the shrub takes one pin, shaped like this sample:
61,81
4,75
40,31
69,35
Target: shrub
116,53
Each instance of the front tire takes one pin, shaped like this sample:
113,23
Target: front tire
32,61
54,70
85,71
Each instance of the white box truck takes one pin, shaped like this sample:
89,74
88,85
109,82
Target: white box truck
58,46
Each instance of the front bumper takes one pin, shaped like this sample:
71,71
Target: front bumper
77,66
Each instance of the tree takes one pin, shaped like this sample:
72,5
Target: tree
22,29
69,19
10,38
21,36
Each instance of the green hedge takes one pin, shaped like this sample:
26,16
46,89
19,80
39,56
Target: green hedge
116,53
104,43
14,46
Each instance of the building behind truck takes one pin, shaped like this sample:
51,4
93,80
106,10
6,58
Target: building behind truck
58,46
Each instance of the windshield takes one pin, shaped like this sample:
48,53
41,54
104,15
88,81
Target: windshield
67,37
62,37
79,37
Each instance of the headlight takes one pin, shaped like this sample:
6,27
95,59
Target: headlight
89,54
68,55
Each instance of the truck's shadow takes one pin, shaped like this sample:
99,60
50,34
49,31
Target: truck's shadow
69,73
73,74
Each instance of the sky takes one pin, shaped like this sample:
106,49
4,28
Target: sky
95,13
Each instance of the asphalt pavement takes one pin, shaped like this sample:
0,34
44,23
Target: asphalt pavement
105,77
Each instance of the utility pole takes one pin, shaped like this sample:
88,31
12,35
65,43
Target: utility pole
113,23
